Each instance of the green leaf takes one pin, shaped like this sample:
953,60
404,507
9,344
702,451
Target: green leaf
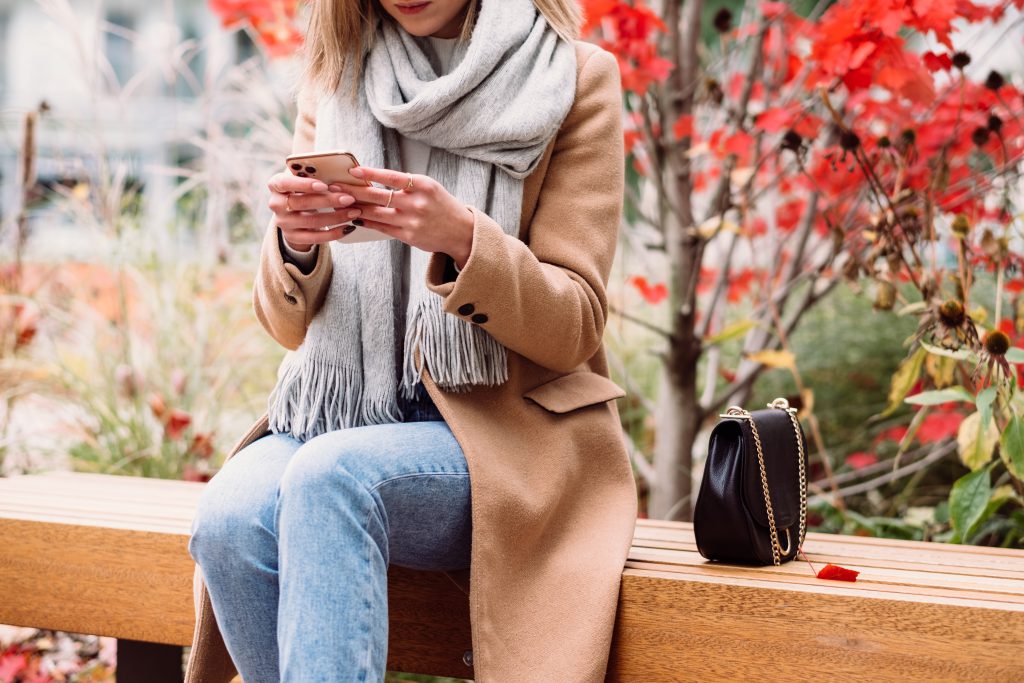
903,380
1015,354
730,332
916,307
1011,446
1000,497
934,398
968,501
984,402
959,354
976,444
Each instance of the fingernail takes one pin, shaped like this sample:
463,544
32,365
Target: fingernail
335,188
319,186
357,172
358,221
354,213
345,199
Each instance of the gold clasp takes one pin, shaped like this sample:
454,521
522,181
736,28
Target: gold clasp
789,544
735,411
782,404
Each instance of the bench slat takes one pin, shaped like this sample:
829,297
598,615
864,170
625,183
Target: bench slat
108,555
715,628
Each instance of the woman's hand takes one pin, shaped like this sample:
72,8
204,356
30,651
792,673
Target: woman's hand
425,216
294,202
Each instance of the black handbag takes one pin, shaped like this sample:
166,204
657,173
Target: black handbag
752,503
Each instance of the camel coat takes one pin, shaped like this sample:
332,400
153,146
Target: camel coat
553,496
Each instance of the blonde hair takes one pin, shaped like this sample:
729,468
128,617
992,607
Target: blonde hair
340,30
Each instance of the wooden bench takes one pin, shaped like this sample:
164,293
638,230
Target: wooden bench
108,555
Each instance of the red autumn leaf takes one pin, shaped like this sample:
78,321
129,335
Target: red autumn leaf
938,62
653,294
788,214
774,120
771,10
861,459
683,127
834,572
938,426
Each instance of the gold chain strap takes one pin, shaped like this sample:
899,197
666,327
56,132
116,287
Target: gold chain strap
781,404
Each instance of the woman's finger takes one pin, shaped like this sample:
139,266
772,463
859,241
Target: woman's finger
286,182
373,212
395,179
309,202
313,236
314,221
372,195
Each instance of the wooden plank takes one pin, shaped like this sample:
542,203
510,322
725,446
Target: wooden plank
798,570
88,579
818,557
722,629
875,548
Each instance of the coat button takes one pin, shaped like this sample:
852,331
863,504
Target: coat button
479,318
467,658
466,309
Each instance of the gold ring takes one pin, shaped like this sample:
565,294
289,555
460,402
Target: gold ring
408,186
391,195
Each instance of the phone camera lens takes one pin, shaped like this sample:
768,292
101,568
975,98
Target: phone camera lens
296,167
310,169
302,174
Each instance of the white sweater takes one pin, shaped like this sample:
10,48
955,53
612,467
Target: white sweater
415,156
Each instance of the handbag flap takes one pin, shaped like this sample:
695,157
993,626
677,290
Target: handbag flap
779,445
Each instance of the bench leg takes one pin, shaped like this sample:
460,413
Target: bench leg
139,661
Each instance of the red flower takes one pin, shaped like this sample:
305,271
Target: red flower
176,423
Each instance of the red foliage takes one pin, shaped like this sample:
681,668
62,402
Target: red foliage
273,21
652,293
834,572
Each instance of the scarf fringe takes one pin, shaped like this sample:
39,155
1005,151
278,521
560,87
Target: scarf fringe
457,354
299,403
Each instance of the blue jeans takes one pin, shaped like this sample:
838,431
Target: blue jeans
294,539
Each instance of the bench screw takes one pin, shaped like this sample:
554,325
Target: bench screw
467,658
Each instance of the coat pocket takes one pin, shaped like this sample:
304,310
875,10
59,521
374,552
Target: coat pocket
574,390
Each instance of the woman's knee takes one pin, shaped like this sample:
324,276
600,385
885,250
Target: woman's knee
237,503
339,461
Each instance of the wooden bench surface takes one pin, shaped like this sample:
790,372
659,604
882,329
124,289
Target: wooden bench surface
108,555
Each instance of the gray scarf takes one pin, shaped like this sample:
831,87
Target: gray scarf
489,120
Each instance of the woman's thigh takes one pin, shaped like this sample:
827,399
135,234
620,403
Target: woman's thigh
417,477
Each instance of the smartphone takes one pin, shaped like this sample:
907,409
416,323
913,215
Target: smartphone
332,168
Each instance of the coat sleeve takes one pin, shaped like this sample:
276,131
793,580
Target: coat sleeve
546,300
284,298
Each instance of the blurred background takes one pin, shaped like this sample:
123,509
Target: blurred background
823,203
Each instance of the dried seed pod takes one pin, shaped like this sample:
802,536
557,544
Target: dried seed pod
997,343
961,60
961,226
723,20
980,136
885,296
994,80
951,313
849,141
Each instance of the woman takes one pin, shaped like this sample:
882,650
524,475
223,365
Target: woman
446,402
